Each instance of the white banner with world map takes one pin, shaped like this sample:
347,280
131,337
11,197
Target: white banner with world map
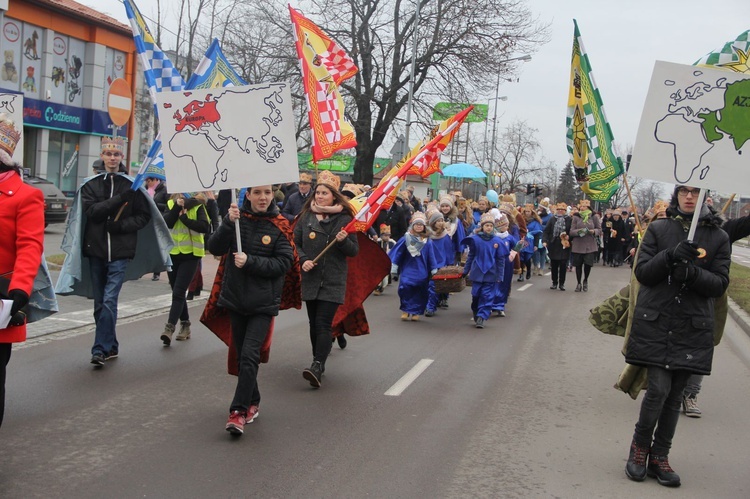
231,137
695,129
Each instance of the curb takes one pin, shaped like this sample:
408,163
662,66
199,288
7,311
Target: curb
82,321
740,316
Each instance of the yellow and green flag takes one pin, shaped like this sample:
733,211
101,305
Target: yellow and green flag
589,136
732,56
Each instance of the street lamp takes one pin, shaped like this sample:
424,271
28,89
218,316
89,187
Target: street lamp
524,58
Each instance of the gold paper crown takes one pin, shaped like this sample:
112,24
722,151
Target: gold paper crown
584,202
660,207
385,229
113,144
305,177
561,206
487,218
329,180
9,136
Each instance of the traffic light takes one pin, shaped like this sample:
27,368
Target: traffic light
529,188
538,191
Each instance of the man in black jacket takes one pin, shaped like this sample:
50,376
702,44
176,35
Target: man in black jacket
294,201
673,323
114,214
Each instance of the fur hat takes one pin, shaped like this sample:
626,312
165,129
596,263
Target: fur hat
116,144
9,137
305,177
487,218
330,180
584,203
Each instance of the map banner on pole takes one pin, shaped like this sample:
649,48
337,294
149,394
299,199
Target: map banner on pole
232,137
695,128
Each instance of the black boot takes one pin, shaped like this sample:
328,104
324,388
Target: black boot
659,468
636,467
342,341
314,374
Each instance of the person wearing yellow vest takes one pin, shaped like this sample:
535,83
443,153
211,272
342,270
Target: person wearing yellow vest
188,221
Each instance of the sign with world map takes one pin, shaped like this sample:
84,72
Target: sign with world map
695,128
232,137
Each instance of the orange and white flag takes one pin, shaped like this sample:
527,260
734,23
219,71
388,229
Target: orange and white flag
430,163
324,66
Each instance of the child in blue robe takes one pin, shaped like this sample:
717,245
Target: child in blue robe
413,259
485,267
509,242
445,255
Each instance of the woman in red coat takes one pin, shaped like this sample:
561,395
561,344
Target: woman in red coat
21,244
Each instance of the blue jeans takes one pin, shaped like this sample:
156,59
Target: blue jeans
660,409
540,257
106,280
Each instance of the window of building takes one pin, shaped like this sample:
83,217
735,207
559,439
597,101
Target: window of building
62,168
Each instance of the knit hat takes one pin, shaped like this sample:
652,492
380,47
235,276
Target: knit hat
116,144
448,200
487,218
507,208
9,137
330,180
417,218
502,220
433,215
305,177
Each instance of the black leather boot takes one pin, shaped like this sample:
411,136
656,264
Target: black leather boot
636,467
659,468
314,374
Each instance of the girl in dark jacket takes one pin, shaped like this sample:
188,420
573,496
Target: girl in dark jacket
673,322
251,288
321,221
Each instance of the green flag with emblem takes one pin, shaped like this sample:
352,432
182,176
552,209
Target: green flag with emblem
589,136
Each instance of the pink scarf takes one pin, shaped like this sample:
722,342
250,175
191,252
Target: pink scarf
6,175
323,212
152,189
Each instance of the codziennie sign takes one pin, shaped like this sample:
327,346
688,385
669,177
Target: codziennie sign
68,118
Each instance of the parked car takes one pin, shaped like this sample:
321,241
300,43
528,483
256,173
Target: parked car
55,202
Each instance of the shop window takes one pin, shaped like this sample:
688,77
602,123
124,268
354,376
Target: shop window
62,168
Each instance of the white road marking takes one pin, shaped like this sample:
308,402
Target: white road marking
408,378
525,287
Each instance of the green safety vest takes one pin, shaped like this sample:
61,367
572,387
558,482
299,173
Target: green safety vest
185,240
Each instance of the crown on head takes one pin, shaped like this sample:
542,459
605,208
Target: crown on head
113,144
9,135
385,229
329,179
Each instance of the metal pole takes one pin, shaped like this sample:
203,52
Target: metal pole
411,75
494,129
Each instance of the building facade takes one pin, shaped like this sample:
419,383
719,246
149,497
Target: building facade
60,57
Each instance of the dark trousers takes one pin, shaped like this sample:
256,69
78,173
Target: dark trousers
320,314
558,269
248,334
4,358
660,409
183,270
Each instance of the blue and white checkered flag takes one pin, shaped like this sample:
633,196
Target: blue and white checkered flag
159,71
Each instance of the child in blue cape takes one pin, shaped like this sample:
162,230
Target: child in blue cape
413,259
485,267
510,243
533,239
445,255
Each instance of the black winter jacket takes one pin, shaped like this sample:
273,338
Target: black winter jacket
101,199
327,280
555,248
255,288
673,323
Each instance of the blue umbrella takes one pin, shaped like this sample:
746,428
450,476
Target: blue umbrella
463,170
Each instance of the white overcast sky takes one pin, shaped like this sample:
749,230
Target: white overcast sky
623,39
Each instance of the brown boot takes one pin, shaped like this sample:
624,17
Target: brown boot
166,336
184,333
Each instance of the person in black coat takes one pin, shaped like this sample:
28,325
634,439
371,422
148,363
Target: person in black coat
296,200
616,239
555,239
251,288
673,323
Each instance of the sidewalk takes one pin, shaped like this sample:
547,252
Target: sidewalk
138,300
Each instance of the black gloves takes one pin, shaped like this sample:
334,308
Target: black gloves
127,196
114,227
20,300
685,251
684,273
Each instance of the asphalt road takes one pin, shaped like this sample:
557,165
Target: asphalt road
522,408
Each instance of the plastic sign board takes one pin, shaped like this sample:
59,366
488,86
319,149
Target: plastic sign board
119,102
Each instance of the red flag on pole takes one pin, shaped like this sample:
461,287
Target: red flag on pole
324,66
422,160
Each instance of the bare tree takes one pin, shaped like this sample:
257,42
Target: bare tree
519,146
